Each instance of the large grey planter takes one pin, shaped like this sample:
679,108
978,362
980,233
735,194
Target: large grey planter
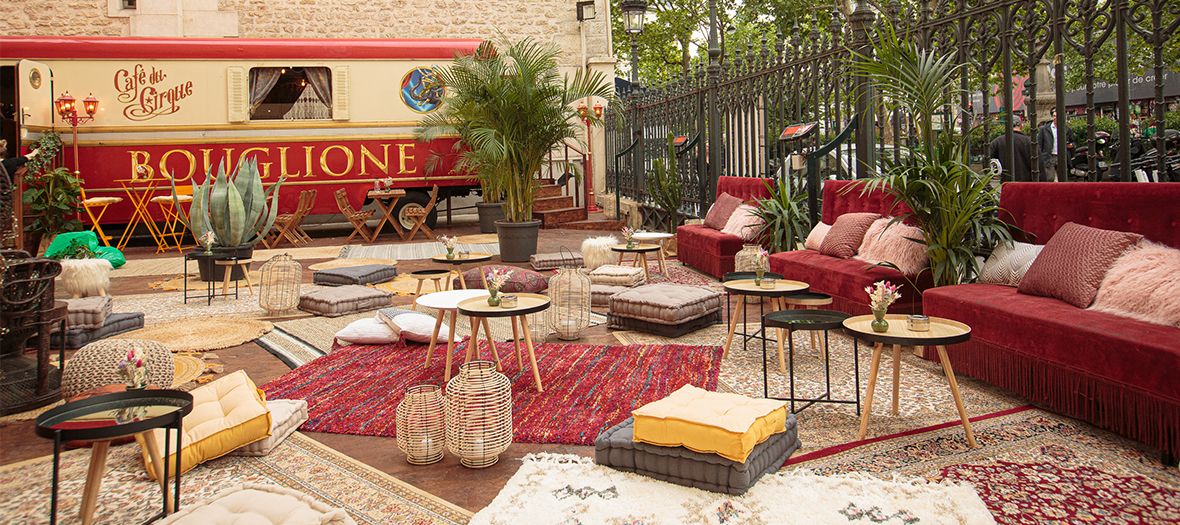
518,240
489,213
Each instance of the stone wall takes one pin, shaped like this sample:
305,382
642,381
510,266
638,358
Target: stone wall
58,18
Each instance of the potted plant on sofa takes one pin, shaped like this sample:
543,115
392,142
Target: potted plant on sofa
511,108
233,207
955,207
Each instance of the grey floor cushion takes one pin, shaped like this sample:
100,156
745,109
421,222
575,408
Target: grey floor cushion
553,261
367,274
343,300
616,449
115,324
88,312
616,322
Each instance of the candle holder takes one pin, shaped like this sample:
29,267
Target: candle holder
507,301
918,323
767,284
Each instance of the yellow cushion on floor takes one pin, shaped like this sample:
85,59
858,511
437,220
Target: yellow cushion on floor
227,414
728,425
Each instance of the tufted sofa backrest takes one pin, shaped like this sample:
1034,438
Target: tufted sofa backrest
1040,208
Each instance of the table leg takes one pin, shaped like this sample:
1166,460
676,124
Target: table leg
528,342
462,281
158,465
98,465
646,276
516,342
782,365
246,276
450,342
878,349
229,270
663,263
823,353
739,312
950,377
434,336
896,376
483,277
473,343
397,225
487,330
418,293
620,263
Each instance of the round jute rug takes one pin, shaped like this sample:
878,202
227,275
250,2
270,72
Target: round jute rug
348,263
202,334
479,238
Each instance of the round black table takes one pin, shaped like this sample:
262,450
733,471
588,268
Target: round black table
457,263
810,320
640,251
103,418
746,287
479,310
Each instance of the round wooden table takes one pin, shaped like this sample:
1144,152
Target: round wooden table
942,332
457,266
447,301
659,238
746,287
526,303
640,251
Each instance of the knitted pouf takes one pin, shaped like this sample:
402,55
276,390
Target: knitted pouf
95,365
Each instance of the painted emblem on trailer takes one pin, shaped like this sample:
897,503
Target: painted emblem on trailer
420,90
35,78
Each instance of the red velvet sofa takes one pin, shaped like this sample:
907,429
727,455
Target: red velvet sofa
845,279
1115,372
709,250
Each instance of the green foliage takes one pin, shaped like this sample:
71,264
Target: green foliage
1172,120
1079,130
955,207
76,250
54,195
233,206
510,106
785,215
663,184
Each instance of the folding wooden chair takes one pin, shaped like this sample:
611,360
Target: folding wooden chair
101,204
287,225
419,215
175,217
357,218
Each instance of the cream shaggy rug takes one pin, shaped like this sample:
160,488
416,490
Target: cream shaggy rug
551,488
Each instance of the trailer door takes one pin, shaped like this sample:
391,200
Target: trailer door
34,95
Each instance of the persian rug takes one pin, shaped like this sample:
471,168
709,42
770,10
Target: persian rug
1033,466
300,463
551,488
588,388
413,251
203,334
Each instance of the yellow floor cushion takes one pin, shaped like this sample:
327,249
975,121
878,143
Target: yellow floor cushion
227,413
728,425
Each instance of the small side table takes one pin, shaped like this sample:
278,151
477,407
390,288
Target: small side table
380,196
457,266
447,301
746,287
810,301
106,417
429,275
811,320
942,332
526,303
229,265
640,251
210,286
658,238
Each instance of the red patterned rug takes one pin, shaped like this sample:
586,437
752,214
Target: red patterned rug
588,388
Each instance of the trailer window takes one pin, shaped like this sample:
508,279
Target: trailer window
290,93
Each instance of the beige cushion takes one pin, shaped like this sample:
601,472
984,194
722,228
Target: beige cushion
1009,262
368,331
816,237
744,223
88,312
617,275
665,303
728,425
553,261
600,294
342,300
101,201
884,242
416,326
257,504
227,414
165,199
285,417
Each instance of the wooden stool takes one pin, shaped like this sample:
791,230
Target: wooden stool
434,275
812,301
229,264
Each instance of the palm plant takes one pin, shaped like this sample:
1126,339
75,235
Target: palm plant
784,215
955,207
509,106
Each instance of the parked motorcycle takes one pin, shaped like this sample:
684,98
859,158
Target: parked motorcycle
1079,159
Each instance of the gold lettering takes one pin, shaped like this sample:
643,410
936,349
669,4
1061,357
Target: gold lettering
283,163
229,159
205,156
402,157
192,164
324,160
265,165
265,168
365,153
139,165
307,158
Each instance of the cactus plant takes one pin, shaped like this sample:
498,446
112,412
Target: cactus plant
232,206
663,185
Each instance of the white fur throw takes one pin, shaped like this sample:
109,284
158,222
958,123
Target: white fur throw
596,251
86,277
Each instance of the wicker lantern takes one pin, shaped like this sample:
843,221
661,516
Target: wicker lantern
746,260
569,292
279,289
479,414
420,427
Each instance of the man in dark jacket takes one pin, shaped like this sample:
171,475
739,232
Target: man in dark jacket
1047,145
1022,171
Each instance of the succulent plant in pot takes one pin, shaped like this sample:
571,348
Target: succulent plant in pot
234,208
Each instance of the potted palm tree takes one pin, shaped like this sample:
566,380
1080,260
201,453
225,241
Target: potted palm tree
510,107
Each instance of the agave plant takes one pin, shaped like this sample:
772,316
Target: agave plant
663,184
233,207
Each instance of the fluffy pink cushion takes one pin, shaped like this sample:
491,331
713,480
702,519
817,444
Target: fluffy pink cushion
744,223
892,244
816,237
1143,284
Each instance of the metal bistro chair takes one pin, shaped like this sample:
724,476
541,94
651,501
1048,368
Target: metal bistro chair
288,225
419,216
99,203
175,216
357,218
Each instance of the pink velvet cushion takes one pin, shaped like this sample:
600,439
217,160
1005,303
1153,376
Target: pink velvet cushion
816,237
847,234
1143,284
891,243
1073,263
722,209
744,223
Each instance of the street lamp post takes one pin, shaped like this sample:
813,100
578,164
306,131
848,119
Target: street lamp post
66,107
587,162
634,12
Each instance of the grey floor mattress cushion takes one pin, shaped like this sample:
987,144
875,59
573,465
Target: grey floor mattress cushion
616,449
115,324
367,274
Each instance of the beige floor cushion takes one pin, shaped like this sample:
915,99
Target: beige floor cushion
553,261
617,275
344,300
285,417
665,303
600,294
88,312
258,504
729,425
227,414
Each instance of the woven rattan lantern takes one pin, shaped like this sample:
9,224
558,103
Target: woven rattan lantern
569,292
279,289
421,431
479,414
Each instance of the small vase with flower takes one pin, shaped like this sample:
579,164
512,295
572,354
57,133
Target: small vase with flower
450,243
629,235
496,279
133,369
881,295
